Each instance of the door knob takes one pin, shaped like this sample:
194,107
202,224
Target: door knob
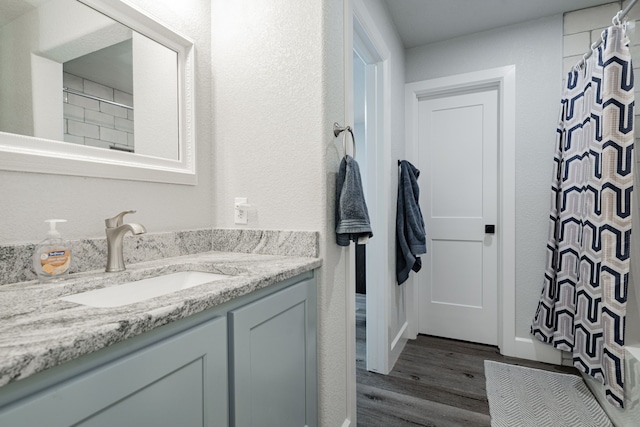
490,229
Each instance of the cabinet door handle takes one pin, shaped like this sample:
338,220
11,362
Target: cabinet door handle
490,229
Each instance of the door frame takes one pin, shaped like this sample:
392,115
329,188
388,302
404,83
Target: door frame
504,79
377,250
357,20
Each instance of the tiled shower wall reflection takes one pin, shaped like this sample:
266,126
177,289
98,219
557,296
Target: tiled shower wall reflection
88,121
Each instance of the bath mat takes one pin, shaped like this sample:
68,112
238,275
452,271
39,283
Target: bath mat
527,397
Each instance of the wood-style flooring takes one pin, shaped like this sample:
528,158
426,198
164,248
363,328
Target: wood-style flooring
436,382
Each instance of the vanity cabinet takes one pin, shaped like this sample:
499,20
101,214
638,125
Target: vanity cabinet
248,362
273,360
179,381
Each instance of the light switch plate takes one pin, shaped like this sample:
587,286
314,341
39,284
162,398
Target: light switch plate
240,210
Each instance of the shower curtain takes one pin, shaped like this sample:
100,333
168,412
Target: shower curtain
582,306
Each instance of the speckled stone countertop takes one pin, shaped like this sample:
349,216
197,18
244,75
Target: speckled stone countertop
38,331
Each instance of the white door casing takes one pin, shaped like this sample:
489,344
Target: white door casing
458,156
359,24
368,158
503,79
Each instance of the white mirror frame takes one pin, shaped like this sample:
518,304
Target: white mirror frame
28,154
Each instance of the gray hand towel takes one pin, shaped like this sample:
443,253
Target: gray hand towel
352,216
410,235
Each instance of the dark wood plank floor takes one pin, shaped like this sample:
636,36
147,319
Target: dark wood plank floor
436,382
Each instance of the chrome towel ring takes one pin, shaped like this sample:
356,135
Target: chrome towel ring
337,130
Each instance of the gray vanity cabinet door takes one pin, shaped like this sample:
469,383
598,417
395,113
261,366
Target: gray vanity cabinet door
179,381
273,360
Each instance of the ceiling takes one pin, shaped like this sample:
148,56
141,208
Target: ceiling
422,22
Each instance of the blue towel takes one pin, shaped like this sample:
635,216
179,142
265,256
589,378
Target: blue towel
410,235
352,216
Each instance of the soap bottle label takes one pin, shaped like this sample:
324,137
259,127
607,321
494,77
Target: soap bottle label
55,262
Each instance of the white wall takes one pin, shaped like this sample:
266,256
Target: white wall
535,48
16,40
278,87
28,198
155,98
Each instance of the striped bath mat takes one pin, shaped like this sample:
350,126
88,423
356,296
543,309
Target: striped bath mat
524,397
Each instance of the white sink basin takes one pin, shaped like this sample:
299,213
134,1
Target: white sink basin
141,290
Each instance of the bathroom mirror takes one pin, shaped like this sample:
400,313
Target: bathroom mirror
95,88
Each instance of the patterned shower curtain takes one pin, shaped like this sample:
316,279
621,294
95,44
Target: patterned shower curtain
582,306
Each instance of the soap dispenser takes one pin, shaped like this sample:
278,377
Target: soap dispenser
52,257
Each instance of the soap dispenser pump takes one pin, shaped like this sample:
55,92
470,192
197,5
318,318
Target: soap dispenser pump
52,257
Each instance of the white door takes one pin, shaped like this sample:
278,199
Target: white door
458,155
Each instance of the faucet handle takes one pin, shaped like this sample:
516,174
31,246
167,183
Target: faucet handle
117,220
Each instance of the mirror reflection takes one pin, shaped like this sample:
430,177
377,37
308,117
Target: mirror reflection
98,98
69,73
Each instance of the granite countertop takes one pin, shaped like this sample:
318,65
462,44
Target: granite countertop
38,331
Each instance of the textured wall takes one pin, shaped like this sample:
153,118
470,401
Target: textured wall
28,198
535,48
277,89
268,73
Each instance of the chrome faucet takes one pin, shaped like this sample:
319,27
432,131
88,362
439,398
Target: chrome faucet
115,235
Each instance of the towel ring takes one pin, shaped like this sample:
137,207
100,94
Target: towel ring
337,130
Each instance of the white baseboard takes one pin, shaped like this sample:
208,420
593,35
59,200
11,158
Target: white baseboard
528,348
397,345
399,336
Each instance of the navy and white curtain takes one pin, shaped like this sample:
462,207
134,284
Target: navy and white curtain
583,301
